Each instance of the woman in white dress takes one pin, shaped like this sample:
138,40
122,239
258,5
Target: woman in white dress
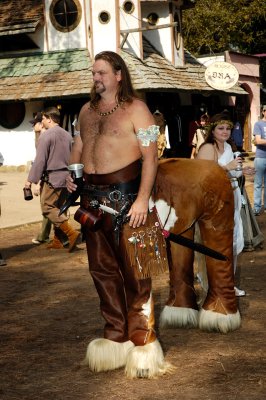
217,149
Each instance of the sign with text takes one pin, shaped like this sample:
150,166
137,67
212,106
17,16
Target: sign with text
221,75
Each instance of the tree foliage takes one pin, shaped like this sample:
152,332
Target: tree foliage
214,26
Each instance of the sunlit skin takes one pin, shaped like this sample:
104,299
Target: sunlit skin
109,143
105,79
221,133
47,122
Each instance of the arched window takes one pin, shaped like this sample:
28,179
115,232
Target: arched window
65,15
12,115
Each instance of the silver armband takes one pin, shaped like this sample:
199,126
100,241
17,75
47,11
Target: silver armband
149,135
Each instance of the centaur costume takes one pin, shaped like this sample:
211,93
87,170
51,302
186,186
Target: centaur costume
123,259
186,192
121,268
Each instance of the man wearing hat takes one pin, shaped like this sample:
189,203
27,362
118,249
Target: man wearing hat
259,133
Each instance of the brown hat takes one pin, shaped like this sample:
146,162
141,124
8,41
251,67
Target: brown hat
37,118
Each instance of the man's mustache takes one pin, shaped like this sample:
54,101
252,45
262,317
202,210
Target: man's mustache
98,85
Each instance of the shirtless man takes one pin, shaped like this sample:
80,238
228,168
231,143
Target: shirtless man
117,145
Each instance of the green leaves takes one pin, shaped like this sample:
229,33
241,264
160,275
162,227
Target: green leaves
216,26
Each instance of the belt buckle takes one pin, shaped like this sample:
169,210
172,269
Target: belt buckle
115,195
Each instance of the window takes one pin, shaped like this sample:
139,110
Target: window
104,17
65,15
128,7
12,115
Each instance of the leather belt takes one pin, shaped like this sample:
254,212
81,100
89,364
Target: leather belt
114,192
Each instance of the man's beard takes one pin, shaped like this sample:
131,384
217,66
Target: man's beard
99,88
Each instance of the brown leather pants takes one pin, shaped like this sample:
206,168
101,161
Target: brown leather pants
125,302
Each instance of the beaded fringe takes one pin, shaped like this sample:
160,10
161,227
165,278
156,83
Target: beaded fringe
146,248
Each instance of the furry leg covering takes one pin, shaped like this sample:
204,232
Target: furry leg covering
178,317
104,354
146,361
216,322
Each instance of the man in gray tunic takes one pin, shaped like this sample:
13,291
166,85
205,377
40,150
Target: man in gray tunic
50,166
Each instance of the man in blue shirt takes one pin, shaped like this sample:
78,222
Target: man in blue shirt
259,133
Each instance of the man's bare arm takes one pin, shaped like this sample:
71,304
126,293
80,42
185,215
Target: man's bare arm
76,151
149,170
143,119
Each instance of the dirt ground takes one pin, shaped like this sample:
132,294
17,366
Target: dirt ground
50,312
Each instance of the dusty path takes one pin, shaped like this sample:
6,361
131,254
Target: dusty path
49,313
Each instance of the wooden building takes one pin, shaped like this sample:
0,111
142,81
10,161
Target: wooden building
46,53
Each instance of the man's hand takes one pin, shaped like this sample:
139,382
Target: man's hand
37,190
138,213
27,185
70,185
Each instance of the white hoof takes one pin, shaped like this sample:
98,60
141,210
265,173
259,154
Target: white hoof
179,317
104,354
217,322
146,361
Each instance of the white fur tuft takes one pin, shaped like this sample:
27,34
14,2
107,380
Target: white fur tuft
104,354
146,361
179,317
217,322
166,214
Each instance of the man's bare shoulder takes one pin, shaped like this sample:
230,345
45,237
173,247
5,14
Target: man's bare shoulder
140,114
137,105
84,108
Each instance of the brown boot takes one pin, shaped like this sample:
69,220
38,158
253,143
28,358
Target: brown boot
56,242
72,235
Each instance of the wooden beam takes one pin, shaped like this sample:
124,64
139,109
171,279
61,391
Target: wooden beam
126,32
148,28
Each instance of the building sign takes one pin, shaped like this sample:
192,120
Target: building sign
221,75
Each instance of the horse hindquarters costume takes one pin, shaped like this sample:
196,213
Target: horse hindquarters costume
189,191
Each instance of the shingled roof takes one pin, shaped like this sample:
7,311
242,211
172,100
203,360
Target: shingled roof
155,71
45,75
20,16
68,74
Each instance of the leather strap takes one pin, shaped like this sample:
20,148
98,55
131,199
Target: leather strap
114,192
